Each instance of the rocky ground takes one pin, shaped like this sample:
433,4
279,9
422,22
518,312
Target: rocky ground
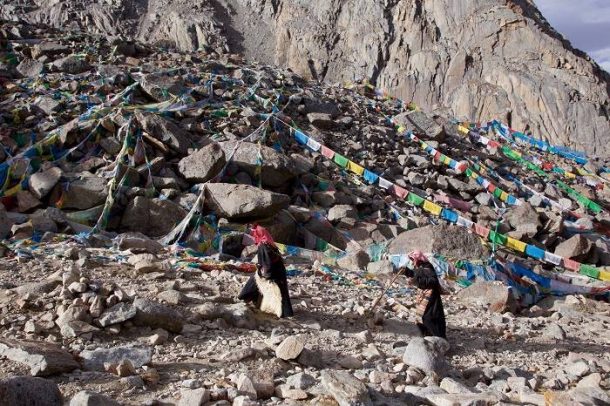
94,299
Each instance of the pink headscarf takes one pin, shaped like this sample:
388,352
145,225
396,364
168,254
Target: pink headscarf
261,235
418,257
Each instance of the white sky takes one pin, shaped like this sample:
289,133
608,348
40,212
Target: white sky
585,23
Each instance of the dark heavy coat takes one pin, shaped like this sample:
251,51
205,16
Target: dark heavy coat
271,270
433,319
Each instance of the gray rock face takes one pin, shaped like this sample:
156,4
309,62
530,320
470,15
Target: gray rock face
421,124
204,164
243,201
153,217
575,247
84,193
276,168
451,241
94,360
347,390
522,215
165,131
28,391
43,358
117,314
137,242
495,295
5,223
41,183
30,68
87,398
467,68
71,64
423,354
156,315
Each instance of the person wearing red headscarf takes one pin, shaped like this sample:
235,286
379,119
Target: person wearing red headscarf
268,287
429,303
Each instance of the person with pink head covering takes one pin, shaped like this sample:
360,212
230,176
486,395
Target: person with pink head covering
429,303
268,287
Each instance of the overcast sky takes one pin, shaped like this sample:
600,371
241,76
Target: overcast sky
586,23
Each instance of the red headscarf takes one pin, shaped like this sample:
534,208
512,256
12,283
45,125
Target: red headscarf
418,257
261,235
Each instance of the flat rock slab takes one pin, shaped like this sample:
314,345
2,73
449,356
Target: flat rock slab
347,390
42,357
87,398
117,314
28,391
156,315
94,360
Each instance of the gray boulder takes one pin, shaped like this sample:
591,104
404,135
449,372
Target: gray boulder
5,223
41,183
347,390
243,201
425,355
94,360
156,315
276,168
29,391
29,68
495,295
421,123
71,64
82,193
522,215
576,247
42,357
165,131
448,240
162,87
137,242
87,398
153,217
203,164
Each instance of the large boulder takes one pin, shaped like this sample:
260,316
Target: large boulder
421,124
243,201
156,315
81,193
276,168
42,357
71,64
162,87
203,164
41,183
165,131
152,217
448,240
427,355
29,391
522,215
5,223
495,295
345,388
87,398
577,247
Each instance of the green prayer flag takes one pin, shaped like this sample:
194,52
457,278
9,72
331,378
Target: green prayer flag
589,270
415,199
497,238
340,160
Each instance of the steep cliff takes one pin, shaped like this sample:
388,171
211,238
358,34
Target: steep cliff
475,59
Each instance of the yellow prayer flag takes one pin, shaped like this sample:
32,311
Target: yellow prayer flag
604,276
432,208
516,244
503,196
570,175
463,129
355,168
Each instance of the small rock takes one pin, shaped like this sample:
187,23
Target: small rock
194,397
347,390
290,348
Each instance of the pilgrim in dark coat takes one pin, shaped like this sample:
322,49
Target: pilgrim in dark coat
268,287
429,302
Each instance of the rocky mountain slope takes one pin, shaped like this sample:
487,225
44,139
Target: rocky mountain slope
130,176
475,59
